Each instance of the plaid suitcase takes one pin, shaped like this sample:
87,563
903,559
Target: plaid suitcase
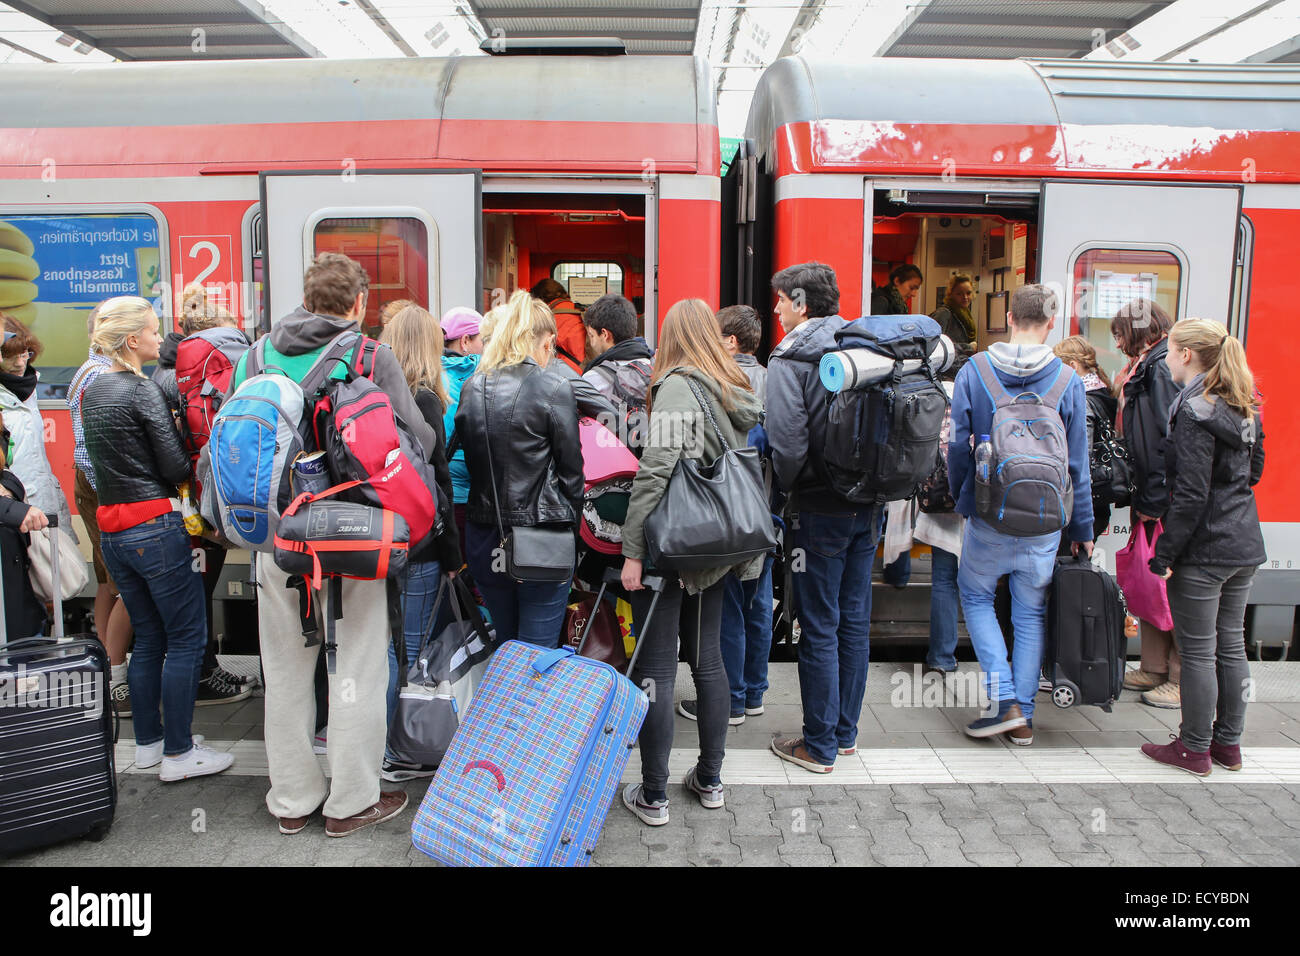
56,737
533,768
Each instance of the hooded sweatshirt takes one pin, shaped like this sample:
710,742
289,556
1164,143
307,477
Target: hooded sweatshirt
1020,368
458,368
797,405
673,401
302,332
1213,460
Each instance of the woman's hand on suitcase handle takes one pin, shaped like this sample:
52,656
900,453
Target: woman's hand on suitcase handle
632,574
1084,546
34,521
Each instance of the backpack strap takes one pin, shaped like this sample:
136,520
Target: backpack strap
992,384
364,365
255,358
336,351
1052,397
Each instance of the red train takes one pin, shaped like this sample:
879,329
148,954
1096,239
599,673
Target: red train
456,181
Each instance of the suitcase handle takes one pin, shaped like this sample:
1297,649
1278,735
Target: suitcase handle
615,576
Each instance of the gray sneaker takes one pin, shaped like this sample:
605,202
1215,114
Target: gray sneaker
711,797
651,814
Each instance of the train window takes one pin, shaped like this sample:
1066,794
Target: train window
252,301
394,251
55,268
1107,279
612,272
1241,279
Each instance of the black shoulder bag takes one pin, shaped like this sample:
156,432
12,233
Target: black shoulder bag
531,553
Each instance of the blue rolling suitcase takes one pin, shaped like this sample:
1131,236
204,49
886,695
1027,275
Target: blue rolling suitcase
531,772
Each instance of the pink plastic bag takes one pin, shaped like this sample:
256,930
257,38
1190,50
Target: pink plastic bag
1144,592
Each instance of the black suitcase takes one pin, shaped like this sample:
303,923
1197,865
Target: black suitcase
57,777
1084,657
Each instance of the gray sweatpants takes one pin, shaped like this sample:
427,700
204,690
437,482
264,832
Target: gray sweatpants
1209,609
358,698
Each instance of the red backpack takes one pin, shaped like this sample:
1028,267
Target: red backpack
365,441
205,362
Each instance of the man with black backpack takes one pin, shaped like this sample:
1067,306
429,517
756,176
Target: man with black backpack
620,365
1018,467
334,300
835,539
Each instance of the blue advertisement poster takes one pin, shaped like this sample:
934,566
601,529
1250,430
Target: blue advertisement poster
55,269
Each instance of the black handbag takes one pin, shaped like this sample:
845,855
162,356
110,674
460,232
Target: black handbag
711,516
532,553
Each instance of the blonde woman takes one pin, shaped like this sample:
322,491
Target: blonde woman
1212,542
690,354
416,340
139,460
518,423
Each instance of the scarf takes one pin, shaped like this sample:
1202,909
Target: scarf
1092,382
963,316
21,385
895,299
1121,380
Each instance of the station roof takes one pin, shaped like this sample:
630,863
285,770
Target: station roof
645,26
988,29
161,30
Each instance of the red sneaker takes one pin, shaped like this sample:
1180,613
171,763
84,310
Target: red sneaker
1227,756
1177,755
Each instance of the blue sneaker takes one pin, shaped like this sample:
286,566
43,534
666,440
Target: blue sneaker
1008,718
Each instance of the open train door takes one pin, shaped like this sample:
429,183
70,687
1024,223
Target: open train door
1105,244
417,233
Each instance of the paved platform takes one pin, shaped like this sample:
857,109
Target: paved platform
919,792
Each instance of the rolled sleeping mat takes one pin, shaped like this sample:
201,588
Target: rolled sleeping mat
858,368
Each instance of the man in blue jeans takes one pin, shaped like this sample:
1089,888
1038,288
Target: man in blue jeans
1024,363
835,539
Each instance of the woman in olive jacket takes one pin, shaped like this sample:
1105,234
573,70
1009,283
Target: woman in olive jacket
1146,393
1212,542
690,352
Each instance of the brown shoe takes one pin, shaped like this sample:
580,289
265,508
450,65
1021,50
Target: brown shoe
390,805
291,825
1143,680
1021,736
793,750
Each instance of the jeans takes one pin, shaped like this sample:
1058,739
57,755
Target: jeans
422,580
746,636
697,619
531,611
986,555
152,567
833,598
1209,609
943,610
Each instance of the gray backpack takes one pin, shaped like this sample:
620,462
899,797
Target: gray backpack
1029,475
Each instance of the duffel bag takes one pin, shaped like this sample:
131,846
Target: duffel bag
321,534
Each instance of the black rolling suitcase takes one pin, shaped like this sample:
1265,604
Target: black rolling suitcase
57,777
1084,658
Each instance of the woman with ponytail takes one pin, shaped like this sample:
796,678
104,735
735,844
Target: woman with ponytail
518,423
1212,542
138,461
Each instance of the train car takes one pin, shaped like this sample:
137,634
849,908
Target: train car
454,181
1178,182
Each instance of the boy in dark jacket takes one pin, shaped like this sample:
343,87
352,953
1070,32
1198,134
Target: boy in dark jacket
835,539
1023,364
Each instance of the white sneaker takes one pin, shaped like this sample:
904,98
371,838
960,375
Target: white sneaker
199,762
151,755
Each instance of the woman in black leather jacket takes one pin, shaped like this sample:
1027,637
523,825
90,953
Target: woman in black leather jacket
1146,393
1212,543
139,460
518,423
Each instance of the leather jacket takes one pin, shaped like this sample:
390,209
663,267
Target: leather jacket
526,417
132,440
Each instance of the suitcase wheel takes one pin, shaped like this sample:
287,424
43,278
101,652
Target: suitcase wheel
1065,694
97,835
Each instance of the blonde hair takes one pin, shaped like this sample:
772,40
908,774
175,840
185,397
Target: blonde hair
1078,349
491,319
199,314
1227,375
526,322
689,337
120,318
387,313
956,279
416,340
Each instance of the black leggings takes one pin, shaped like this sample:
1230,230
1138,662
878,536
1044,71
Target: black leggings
698,620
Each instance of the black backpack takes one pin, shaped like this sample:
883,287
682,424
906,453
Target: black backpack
882,439
629,384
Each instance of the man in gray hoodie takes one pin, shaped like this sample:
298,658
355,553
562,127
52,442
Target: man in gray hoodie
334,301
835,539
